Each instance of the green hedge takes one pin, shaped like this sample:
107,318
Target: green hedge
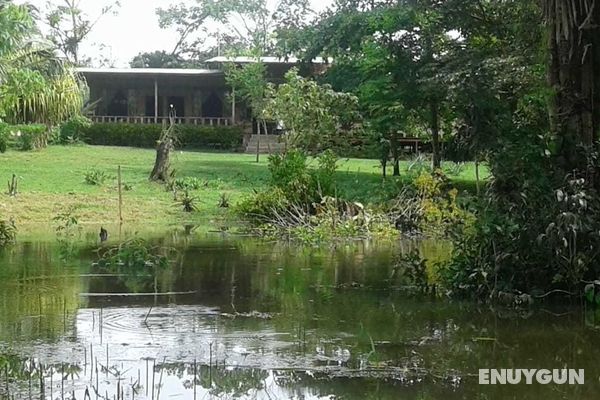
23,137
142,135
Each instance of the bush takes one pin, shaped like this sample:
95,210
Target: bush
24,137
72,131
260,206
300,184
96,177
3,137
8,232
140,135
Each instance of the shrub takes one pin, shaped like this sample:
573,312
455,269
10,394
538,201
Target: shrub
3,137
72,131
8,232
96,177
257,207
146,135
188,183
25,137
188,202
224,200
300,184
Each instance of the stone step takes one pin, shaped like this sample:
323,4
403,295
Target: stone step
265,143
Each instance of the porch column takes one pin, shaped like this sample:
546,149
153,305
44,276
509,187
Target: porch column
233,107
155,101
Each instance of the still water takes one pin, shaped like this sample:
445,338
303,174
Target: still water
234,317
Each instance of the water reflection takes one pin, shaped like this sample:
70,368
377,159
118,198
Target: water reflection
241,318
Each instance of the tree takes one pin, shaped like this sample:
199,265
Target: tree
34,85
249,83
312,114
242,25
70,26
159,59
165,145
574,76
399,49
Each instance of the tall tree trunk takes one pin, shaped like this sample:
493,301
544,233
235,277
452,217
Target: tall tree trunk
258,128
162,164
574,75
395,154
435,134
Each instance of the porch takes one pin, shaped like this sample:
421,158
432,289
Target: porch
148,96
207,121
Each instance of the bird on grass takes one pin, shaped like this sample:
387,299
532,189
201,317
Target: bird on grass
103,235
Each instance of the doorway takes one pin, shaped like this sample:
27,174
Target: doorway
178,103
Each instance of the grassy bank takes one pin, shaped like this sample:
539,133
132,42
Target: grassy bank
53,179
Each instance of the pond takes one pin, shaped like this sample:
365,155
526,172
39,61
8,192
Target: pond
237,317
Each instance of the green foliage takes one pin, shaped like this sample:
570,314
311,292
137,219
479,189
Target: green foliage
142,135
250,84
188,183
29,137
72,130
67,232
313,115
135,255
258,207
224,200
188,202
4,135
96,177
301,184
70,25
8,232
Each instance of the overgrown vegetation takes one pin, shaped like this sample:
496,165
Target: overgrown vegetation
8,232
146,135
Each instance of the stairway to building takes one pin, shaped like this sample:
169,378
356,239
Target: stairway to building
268,144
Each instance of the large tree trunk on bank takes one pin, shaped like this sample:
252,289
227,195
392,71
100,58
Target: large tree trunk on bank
574,75
435,135
162,165
166,144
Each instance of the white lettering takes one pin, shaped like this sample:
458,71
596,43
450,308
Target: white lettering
543,376
576,377
484,376
528,375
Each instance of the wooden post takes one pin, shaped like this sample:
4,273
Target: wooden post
155,100
120,195
258,128
233,107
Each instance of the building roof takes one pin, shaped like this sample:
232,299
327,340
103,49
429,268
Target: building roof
266,60
148,71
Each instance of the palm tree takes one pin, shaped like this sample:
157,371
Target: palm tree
35,86
574,73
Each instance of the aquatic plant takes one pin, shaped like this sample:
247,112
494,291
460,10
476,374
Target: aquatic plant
224,200
67,231
8,232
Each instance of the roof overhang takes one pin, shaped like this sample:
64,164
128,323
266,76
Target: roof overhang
265,60
148,72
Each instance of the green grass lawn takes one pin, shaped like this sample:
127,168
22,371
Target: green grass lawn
52,180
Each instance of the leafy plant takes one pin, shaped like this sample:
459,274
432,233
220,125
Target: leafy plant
96,177
73,130
67,231
224,200
8,232
188,202
137,261
189,183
